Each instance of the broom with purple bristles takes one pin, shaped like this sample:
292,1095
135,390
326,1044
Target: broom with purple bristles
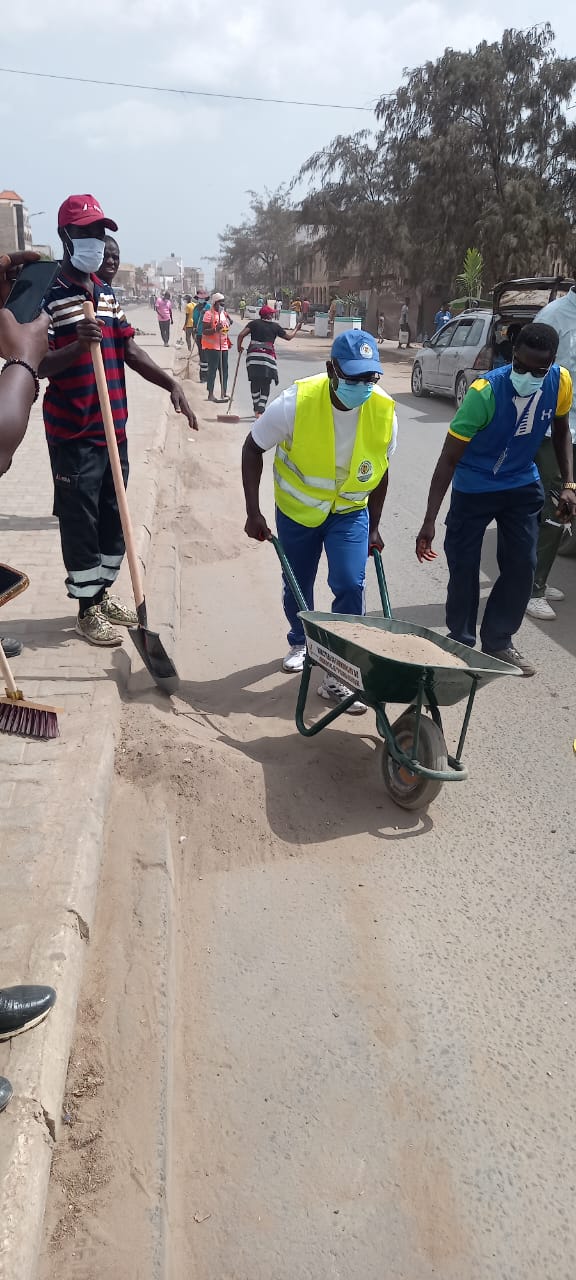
17,715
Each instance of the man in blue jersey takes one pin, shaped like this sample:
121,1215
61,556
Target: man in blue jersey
488,457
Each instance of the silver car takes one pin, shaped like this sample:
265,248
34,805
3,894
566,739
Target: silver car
480,339
450,361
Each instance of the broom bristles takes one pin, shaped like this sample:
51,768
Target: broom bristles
29,720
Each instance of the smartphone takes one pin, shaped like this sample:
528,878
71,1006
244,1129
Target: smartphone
12,583
29,290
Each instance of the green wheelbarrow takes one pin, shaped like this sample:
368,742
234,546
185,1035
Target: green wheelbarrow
415,760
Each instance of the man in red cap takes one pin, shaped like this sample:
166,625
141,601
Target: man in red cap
84,498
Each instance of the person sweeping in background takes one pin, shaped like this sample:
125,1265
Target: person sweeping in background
261,364
216,344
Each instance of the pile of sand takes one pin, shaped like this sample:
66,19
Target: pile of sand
400,648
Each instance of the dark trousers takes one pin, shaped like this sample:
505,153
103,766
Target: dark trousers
260,388
203,361
516,513
164,331
188,336
86,507
213,360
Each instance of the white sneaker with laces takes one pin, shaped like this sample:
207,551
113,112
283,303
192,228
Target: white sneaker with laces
332,691
294,660
539,608
554,593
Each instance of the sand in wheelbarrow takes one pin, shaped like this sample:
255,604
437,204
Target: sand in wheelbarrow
394,645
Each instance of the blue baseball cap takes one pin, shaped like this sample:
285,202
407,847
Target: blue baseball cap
356,352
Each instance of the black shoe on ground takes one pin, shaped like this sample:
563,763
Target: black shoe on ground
12,648
23,1007
5,1092
513,658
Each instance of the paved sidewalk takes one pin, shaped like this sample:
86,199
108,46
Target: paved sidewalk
53,797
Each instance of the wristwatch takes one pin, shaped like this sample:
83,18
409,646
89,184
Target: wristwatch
570,484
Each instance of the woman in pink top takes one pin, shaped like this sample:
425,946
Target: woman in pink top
165,317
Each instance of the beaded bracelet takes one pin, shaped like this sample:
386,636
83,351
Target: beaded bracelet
31,371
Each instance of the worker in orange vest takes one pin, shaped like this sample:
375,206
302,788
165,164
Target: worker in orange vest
216,325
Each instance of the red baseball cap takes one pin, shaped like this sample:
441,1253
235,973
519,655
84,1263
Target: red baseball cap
80,211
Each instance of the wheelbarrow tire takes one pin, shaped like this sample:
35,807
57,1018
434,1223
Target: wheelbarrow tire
411,791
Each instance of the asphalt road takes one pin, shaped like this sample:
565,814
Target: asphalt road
372,1071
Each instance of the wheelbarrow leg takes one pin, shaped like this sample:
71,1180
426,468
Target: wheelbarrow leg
309,732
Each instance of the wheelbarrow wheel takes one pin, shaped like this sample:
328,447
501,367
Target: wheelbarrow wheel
407,789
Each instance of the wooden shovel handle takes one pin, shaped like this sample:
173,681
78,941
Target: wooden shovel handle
115,464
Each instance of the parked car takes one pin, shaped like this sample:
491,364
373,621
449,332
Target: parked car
480,339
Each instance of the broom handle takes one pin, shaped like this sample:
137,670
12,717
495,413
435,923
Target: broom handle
240,353
8,678
110,432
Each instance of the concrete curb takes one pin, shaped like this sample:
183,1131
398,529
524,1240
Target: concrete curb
56,947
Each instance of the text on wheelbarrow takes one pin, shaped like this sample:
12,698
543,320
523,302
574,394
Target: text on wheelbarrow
344,671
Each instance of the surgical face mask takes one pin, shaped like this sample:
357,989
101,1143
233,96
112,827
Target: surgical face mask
525,384
353,394
86,255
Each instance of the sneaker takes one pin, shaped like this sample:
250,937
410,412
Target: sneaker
513,657
539,608
294,660
332,691
554,593
12,648
96,629
115,610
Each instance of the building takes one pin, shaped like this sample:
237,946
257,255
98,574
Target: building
224,281
193,280
15,230
126,277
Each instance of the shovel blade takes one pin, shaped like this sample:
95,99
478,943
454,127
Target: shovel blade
155,658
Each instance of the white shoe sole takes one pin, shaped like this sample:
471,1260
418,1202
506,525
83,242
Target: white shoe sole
8,1035
541,617
99,644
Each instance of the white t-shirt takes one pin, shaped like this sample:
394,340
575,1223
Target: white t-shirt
561,314
277,424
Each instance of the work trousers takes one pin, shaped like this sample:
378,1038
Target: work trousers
85,504
260,389
203,360
164,326
551,531
188,336
516,513
344,538
213,359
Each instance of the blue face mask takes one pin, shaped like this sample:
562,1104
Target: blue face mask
525,384
353,394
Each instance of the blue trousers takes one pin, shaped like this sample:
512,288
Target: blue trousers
344,538
516,513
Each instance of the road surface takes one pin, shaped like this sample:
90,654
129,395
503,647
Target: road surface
323,1038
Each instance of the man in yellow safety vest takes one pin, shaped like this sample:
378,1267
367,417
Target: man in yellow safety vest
333,435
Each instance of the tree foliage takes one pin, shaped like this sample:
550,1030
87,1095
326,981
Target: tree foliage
474,148
262,250
472,273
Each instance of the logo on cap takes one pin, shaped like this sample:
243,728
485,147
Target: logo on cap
365,470
366,351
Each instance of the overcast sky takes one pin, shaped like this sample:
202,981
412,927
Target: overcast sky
174,170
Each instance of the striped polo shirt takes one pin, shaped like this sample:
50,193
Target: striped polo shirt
71,407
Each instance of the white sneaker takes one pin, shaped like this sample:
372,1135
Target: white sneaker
554,593
332,691
294,660
539,608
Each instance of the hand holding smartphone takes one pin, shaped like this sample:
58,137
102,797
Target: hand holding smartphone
29,290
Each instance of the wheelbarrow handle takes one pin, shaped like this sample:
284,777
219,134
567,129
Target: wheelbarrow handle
289,574
382,584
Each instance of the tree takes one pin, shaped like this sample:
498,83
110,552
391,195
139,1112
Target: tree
474,148
472,273
479,146
262,251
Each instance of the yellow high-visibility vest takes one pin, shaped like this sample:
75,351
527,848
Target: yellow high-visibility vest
305,471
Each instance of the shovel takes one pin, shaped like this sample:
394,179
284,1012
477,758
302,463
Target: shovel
148,643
